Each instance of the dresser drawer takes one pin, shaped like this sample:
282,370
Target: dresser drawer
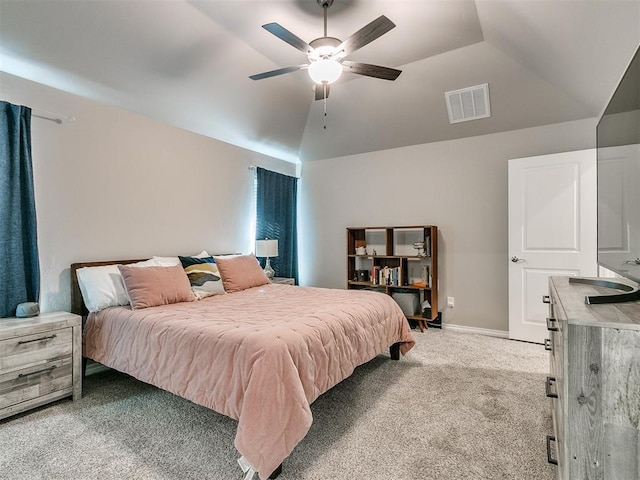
36,381
22,352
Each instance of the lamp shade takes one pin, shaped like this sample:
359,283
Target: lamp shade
266,248
325,70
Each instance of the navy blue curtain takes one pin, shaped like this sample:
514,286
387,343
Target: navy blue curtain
19,267
276,218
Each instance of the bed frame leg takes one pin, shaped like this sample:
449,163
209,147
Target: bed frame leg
276,472
394,350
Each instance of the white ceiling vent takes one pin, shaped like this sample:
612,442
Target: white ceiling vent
468,103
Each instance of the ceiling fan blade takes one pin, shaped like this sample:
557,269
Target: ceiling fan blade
375,71
279,71
320,91
366,35
286,36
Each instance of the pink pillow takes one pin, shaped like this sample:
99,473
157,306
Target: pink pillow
239,272
153,286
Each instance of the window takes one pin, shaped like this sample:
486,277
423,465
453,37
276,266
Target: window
276,218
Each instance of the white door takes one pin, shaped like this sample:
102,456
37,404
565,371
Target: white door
552,231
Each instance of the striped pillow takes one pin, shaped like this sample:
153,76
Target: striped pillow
203,275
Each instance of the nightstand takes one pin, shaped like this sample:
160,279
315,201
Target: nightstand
40,361
283,280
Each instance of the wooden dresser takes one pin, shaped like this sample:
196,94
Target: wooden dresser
594,384
40,360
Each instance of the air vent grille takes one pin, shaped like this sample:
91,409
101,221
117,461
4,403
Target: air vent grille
468,103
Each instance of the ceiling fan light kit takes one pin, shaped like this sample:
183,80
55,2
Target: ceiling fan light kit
326,54
325,70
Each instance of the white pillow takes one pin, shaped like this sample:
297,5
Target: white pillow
172,261
102,287
164,261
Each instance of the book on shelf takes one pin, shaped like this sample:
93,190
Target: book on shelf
386,276
375,275
426,277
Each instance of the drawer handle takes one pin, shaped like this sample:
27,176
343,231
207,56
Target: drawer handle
546,299
549,327
547,344
49,370
547,387
550,458
50,337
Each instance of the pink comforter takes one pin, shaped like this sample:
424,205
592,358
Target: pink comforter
260,356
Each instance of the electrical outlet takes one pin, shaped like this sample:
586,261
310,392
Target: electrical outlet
450,302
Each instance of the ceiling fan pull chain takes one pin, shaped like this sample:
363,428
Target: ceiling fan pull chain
325,87
324,118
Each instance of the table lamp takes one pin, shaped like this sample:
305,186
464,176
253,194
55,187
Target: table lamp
267,248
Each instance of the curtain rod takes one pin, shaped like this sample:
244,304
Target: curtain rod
51,116
54,120
254,167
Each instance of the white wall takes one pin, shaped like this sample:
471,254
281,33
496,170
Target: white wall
459,185
115,185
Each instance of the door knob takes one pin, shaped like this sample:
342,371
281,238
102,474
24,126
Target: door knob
515,259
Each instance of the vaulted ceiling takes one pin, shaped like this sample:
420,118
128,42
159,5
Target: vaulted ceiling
187,63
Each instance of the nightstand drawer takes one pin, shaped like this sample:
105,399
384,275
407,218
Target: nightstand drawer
34,350
36,381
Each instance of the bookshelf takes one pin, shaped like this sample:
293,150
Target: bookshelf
390,260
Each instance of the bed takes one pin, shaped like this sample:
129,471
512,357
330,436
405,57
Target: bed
261,355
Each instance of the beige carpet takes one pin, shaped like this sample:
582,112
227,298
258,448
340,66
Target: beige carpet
459,406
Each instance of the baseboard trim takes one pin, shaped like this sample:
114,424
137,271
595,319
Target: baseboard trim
480,331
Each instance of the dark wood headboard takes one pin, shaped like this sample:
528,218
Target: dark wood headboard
77,304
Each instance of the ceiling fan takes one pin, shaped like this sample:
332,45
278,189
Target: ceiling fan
327,54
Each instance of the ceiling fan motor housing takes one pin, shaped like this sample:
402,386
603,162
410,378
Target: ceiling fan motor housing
323,47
